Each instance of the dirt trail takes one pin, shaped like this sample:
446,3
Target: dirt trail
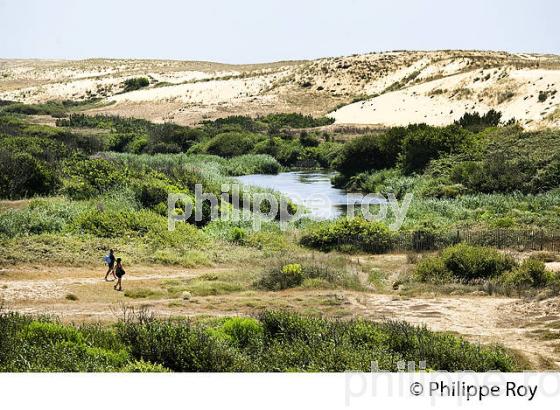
30,288
514,323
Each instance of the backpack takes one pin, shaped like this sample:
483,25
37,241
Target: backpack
107,259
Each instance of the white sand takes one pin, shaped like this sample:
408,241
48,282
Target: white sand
433,87
417,104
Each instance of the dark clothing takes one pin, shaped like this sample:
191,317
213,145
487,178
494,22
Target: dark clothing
119,272
111,261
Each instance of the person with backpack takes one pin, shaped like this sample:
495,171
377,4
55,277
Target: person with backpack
110,261
119,271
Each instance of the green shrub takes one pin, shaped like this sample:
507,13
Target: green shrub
140,366
475,122
288,276
432,270
231,144
531,273
44,346
243,332
296,342
22,175
49,332
358,232
237,235
332,272
179,346
153,191
468,262
111,224
308,140
251,164
51,215
136,83
86,178
295,120
52,108
508,160
425,143
370,152
464,262
275,341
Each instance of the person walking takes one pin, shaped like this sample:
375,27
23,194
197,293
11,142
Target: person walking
110,261
119,272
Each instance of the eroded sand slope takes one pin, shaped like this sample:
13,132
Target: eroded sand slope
391,88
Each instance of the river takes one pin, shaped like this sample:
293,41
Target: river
312,189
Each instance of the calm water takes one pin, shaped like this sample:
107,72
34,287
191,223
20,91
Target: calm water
312,189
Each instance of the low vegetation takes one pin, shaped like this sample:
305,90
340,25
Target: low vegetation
471,264
307,272
97,182
274,341
349,234
135,83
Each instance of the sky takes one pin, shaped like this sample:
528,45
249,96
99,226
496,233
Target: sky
253,31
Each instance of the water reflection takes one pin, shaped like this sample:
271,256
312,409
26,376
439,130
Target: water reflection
312,189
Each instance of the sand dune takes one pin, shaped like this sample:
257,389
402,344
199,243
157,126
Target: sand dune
391,88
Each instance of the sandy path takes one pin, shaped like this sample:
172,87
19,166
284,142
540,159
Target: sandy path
42,289
514,323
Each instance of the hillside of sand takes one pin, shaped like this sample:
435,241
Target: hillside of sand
389,88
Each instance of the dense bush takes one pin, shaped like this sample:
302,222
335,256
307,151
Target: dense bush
111,224
380,182
135,83
86,178
235,122
251,164
22,175
230,144
28,345
295,342
173,135
242,332
137,136
411,149
275,341
451,161
531,273
425,143
476,122
295,120
40,216
364,235
179,346
432,269
510,161
270,123
371,152
467,262
54,109
464,262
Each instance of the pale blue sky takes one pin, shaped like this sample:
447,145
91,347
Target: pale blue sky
246,31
